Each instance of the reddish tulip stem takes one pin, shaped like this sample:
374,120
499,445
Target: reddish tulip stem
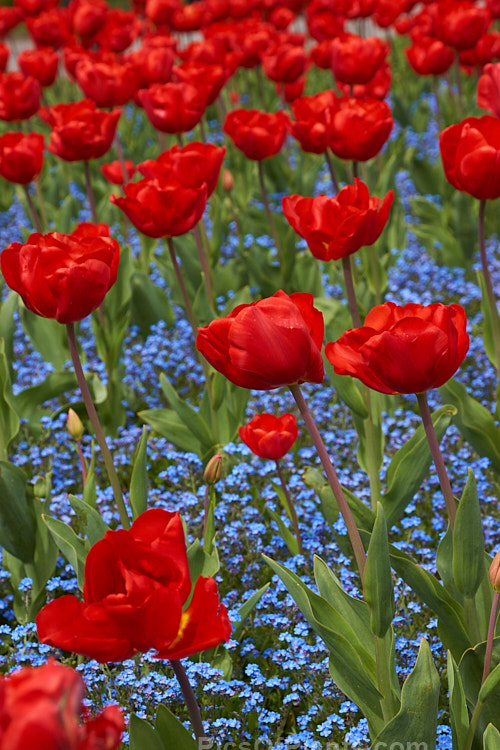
202,131
495,322
351,294
352,529
332,172
182,287
32,210
291,508
354,169
82,461
41,206
190,699
459,85
437,456
121,159
204,264
180,139
435,88
269,213
94,419
90,192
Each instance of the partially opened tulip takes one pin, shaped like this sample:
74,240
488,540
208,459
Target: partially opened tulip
356,59
408,349
21,156
19,96
488,89
137,584
267,344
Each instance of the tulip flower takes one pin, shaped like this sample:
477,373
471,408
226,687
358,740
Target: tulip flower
258,135
107,83
356,59
63,276
113,171
267,344
4,56
136,585
488,89
360,128
192,165
19,96
41,707
21,156
42,64
173,107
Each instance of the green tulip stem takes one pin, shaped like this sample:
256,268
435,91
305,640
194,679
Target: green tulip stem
291,508
190,700
205,267
492,303
82,461
458,84
331,474
90,192
351,294
202,131
121,159
491,635
182,287
269,213
333,176
41,206
371,442
31,208
437,456
435,89
384,679
354,169
94,419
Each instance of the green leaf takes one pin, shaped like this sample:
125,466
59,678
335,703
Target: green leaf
444,565
491,738
245,610
352,666
409,466
468,542
189,417
172,732
489,343
349,393
473,420
89,494
168,424
471,671
139,478
315,479
47,336
7,309
17,522
285,533
149,303
93,524
458,706
72,548
378,586
30,400
489,684
200,562
416,721
143,736
9,420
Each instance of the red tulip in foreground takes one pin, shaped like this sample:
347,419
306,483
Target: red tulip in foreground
41,707
269,436
337,227
406,349
470,151
21,156
136,585
268,344
63,276
258,134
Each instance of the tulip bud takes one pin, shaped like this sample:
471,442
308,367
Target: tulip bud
211,475
74,425
494,572
227,180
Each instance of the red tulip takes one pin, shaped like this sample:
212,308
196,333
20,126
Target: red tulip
87,16
154,61
360,128
119,31
356,59
470,152
337,227
113,171
63,276
290,92
207,77
377,87
494,7
269,436
41,707
270,343
80,131
406,349
191,165
258,134
21,156
487,50
34,7
173,107
41,63
9,18
19,96
162,207
108,83
313,121
50,28
460,25
284,62
187,18
137,583
488,89
428,56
